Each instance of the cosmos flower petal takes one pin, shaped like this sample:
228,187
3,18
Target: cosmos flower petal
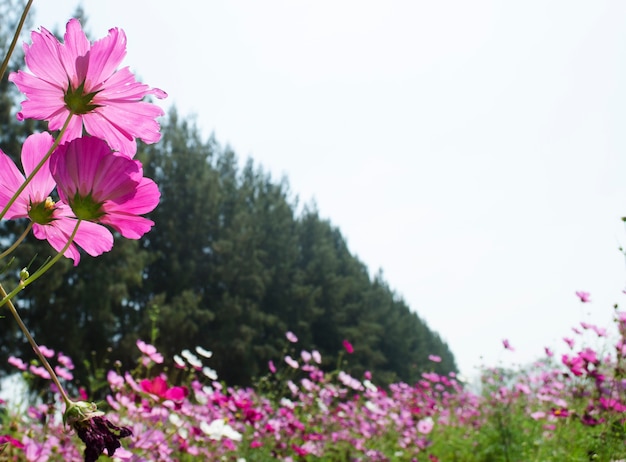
10,180
34,149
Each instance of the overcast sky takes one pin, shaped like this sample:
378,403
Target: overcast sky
473,151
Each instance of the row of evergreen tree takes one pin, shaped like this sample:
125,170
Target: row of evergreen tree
231,265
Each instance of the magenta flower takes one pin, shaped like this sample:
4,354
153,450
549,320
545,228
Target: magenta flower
348,346
507,345
434,358
83,78
584,296
52,221
105,187
158,387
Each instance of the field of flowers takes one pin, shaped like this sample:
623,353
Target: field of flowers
558,409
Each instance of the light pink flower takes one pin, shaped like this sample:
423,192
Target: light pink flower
47,352
507,345
84,78
271,366
52,221
584,296
434,358
425,425
17,362
292,362
291,337
150,351
103,186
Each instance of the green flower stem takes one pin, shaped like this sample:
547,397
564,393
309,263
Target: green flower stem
37,274
17,242
38,167
5,62
33,344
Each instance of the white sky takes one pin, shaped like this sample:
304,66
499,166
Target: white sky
475,151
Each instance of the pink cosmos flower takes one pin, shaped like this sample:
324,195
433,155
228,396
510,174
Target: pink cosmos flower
150,352
507,345
17,362
425,425
584,296
52,221
434,358
83,78
348,346
158,387
271,366
291,337
103,186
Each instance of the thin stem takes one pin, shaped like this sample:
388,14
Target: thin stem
7,58
32,278
17,242
38,167
33,344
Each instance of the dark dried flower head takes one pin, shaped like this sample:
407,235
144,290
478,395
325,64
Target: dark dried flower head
96,431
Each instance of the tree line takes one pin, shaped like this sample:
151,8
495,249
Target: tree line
232,263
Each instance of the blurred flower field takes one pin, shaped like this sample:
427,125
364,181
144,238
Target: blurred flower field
557,409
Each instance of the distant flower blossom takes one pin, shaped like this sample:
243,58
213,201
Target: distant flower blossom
507,345
569,341
271,366
434,358
204,353
179,362
18,363
306,356
209,373
63,373
219,429
64,360
292,362
158,387
104,187
40,371
425,425
549,352
83,78
317,357
150,351
348,346
291,337
52,221
584,296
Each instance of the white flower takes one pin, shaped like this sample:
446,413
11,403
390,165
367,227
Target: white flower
218,429
202,352
210,373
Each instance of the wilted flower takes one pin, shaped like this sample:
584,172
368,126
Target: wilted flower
94,429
